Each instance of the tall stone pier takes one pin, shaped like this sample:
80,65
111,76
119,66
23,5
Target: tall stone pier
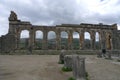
79,71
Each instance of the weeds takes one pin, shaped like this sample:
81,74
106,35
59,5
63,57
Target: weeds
66,69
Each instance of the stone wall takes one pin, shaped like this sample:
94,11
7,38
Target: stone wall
109,36
116,39
8,43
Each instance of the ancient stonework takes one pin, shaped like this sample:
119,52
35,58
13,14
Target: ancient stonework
61,56
8,43
13,16
68,61
109,36
79,71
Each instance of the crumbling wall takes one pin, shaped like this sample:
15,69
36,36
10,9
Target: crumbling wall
7,43
116,39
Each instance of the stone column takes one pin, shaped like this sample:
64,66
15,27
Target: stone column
103,40
44,46
70,39
18,39
81,40
108,41
79,71
58,41
92,40
100,40
32,38
34,34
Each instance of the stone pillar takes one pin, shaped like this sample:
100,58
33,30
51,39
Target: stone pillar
92,40
81,40
100,40
103,40
58,41
108,41
34,34
32,38
18,39
44,46
79,71
70,39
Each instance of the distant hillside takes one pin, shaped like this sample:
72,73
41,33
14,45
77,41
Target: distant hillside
64,41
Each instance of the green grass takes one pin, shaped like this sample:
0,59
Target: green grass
86,74
71,78
65,69
118,60
61,62
108,58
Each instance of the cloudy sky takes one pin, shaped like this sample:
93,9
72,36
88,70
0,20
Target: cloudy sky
52,12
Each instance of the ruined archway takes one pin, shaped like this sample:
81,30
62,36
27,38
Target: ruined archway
38,39
87,40
76,41
97,41
64,39
51,39
108,35
24,39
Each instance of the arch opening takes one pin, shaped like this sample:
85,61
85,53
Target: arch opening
76,42
24,39
38,39
51,40
87,40
64,39
97,41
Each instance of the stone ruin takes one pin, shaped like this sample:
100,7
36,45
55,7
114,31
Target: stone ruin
77,64
109,35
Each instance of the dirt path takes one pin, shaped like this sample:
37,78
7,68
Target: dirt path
46,67
31,67
102,69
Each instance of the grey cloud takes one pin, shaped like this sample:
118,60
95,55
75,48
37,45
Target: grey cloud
53,12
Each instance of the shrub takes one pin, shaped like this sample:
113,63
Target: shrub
71,78
118,60
61,62
66,69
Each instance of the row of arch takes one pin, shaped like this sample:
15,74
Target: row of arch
51,40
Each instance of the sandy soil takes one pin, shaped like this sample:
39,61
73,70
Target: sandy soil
46,67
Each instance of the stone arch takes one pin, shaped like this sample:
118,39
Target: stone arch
76,41
97,40
64,39
51,39
38,39
24,39
87,40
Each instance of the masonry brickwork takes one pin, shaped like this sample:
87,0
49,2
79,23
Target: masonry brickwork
109,36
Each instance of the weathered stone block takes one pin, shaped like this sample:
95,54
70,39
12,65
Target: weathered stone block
68,61
61,56
99,54
79,71
8,43
108,55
